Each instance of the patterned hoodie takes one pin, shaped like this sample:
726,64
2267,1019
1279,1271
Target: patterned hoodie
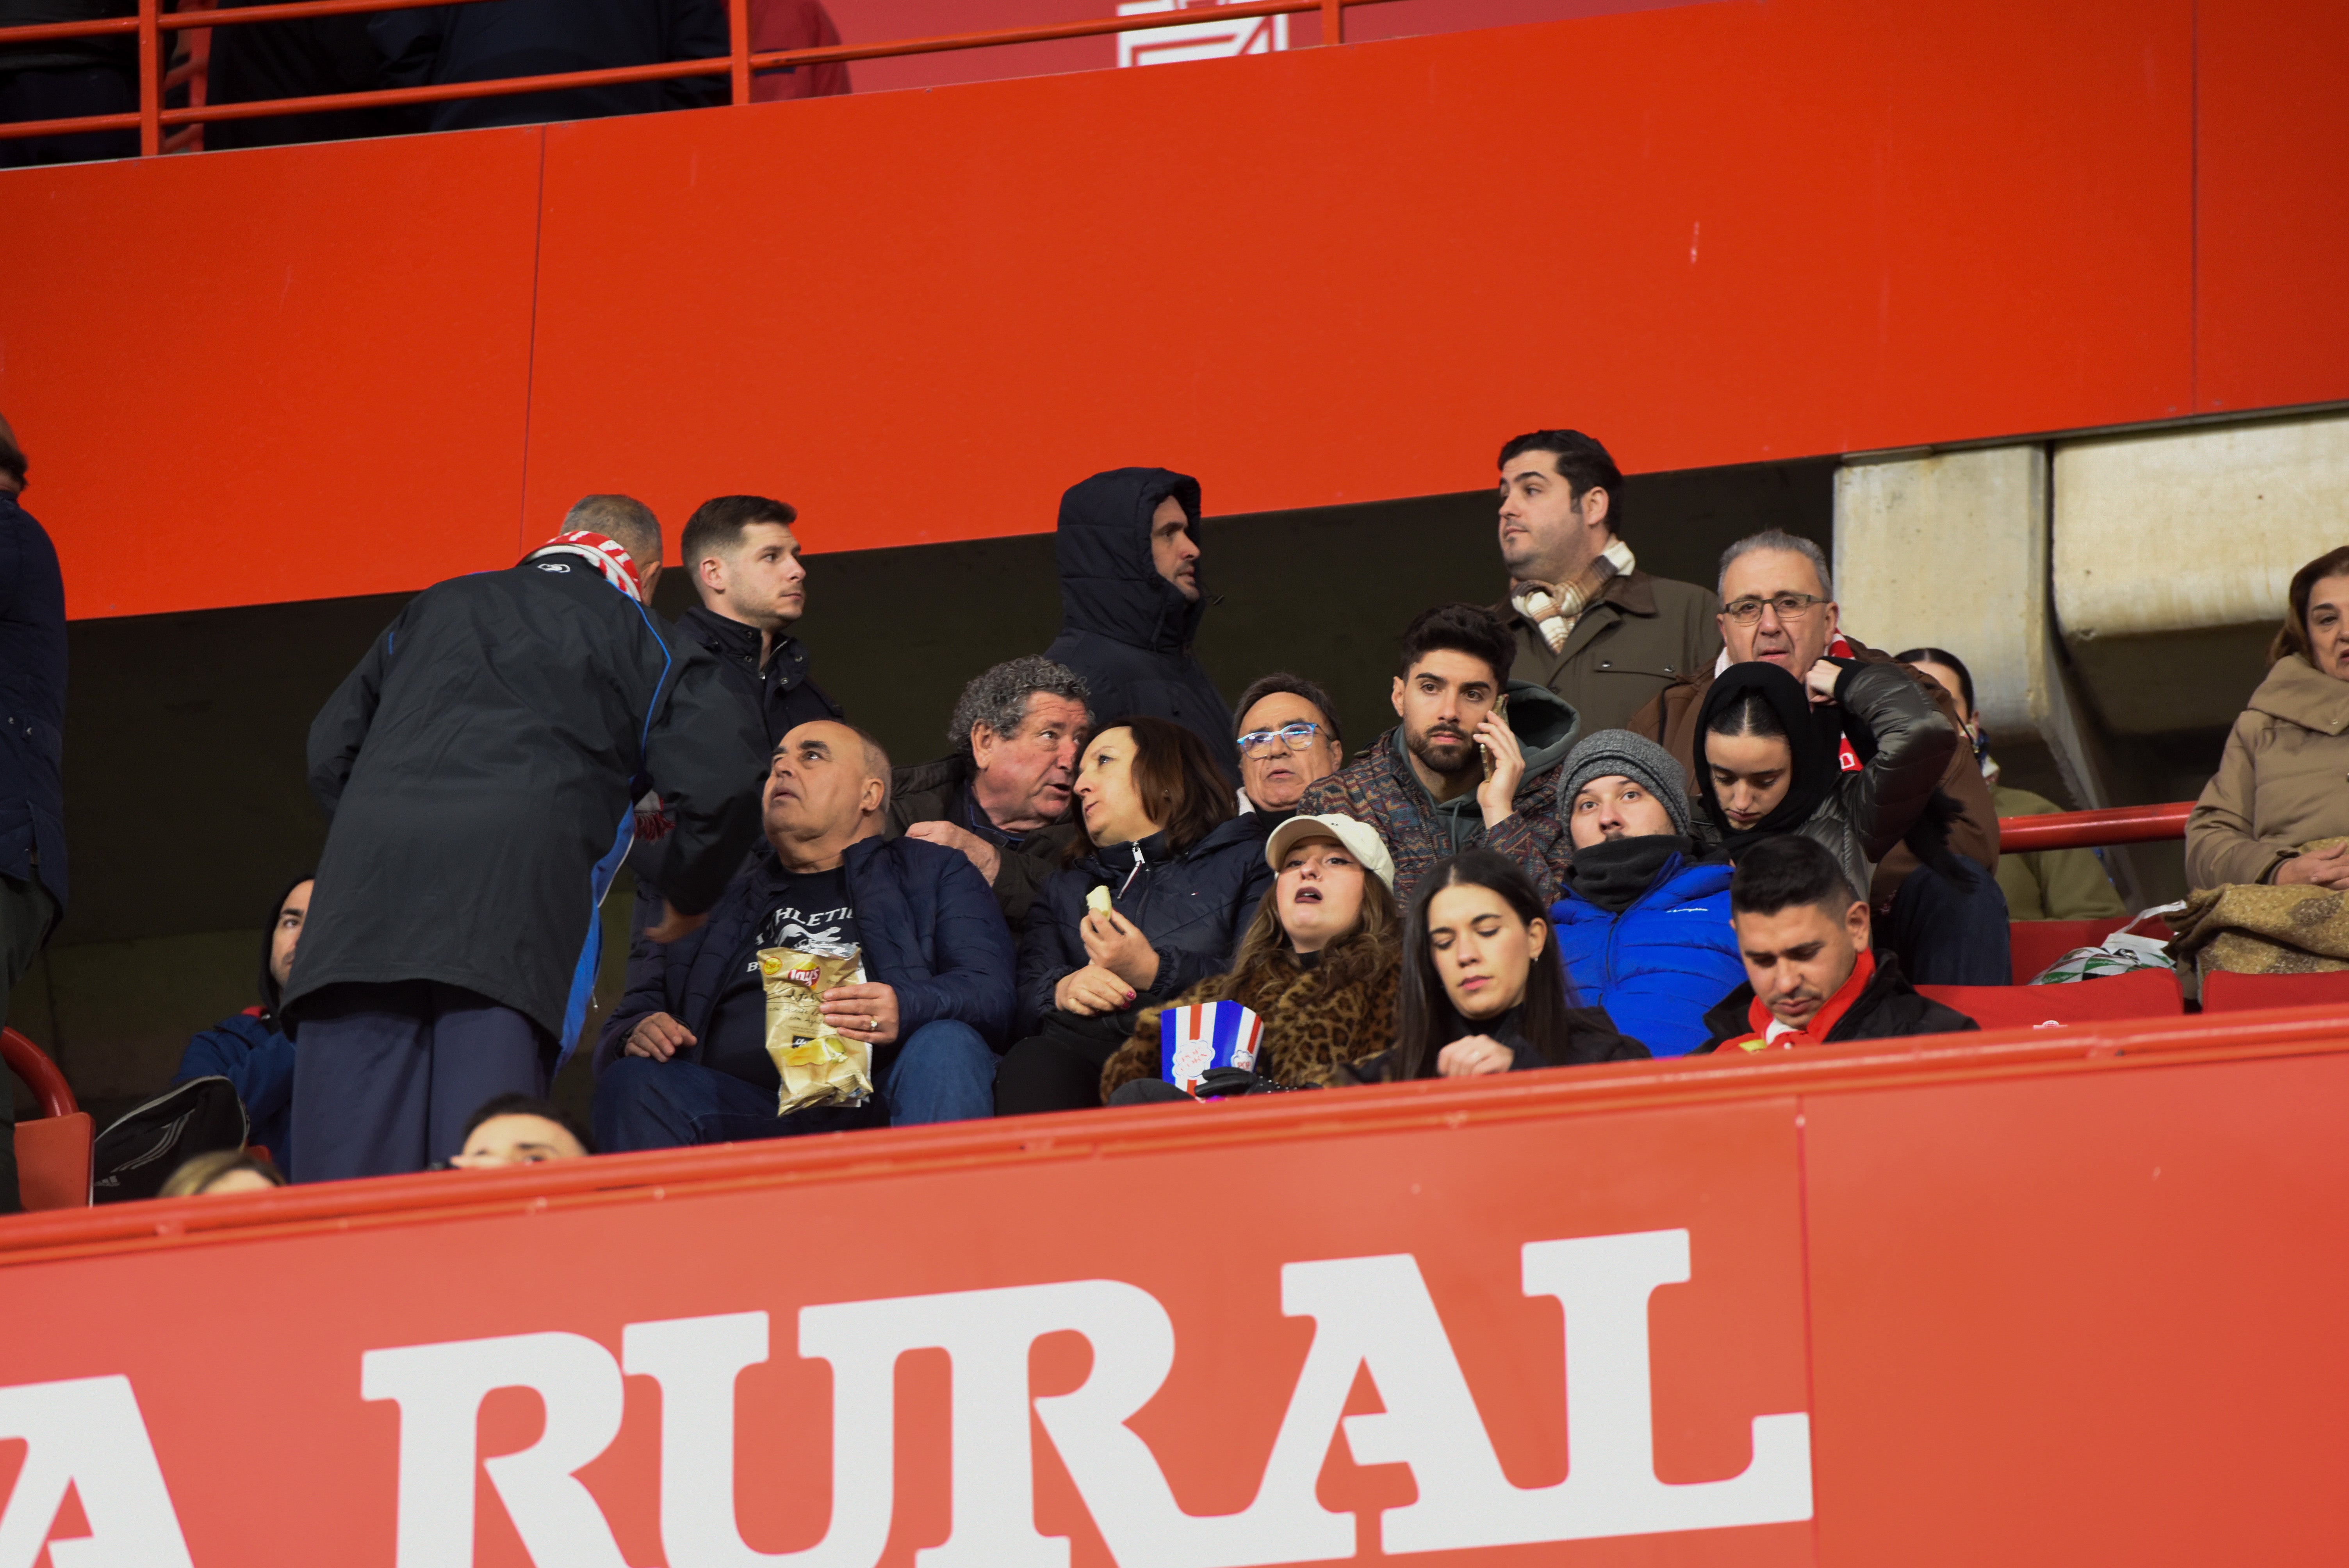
1380,787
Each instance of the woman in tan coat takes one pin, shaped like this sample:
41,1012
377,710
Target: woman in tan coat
2283,781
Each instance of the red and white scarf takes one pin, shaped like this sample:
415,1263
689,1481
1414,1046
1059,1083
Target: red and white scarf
618,567
1837,649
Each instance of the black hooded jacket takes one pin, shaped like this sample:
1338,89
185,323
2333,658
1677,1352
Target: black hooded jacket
1887,1008
1124,628
479,768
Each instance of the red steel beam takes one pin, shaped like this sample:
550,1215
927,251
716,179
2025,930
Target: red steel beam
2086,830
151,116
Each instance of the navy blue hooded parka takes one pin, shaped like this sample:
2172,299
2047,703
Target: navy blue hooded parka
1123,627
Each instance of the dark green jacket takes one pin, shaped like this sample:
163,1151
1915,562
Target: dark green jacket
1644,634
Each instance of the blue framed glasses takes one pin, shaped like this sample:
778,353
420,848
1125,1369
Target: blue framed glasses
1294,736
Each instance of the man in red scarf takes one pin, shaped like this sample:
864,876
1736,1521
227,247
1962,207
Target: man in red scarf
1811,979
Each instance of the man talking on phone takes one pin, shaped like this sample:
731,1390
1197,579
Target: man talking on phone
1473,763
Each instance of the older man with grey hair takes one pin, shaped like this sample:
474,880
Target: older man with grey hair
1777,606
1002,795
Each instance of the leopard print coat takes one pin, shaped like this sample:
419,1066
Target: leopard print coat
1307,1034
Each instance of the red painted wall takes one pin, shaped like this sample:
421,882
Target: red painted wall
2034,1298
1713,234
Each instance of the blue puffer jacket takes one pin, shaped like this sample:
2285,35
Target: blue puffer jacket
1194,906
927,921
251,1054
1660,964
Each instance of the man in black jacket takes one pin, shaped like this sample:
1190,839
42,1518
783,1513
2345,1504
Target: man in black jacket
1803,931
1131,604
432,45
478,766
684,1058
32,748
1003,798
744,561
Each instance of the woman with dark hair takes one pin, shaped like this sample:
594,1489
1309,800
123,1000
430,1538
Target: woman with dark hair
1484,989
2280,785
1319,965
1771,763
1161,883
249,1049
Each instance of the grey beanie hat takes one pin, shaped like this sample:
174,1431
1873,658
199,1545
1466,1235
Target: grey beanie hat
1619,751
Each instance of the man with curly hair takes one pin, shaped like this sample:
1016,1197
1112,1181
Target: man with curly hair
1002,795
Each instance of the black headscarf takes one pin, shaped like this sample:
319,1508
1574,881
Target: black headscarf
1813,735
272,995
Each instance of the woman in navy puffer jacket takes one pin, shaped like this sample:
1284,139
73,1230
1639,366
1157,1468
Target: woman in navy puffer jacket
1184,877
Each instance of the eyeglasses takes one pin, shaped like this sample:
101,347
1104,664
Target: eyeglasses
1294,736
1789,606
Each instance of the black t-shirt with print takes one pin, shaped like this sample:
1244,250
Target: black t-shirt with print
809,912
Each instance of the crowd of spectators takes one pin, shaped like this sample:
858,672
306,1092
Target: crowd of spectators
418,47
1773,834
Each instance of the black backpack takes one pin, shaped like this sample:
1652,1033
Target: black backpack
139,1149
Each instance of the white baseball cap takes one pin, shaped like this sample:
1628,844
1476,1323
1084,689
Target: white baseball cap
1362,842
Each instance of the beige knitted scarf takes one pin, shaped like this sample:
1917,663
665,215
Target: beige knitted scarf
1554,608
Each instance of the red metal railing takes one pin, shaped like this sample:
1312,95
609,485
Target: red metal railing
2087,829
151,118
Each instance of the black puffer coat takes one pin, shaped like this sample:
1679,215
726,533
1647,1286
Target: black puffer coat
1124,628
478,766
1194,906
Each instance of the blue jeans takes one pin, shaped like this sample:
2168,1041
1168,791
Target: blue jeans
1950,935
943,1071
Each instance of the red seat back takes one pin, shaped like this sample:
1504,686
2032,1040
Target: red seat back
2141,994
2226,992
2036,944
53,1151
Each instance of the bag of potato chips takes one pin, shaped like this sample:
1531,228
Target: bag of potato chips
818,1066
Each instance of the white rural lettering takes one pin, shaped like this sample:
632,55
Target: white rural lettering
1370,1312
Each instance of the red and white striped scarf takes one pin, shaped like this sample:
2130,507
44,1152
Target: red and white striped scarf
1837,649
618,567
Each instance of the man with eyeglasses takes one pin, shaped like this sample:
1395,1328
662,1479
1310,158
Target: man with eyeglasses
1778,606
1589,624
1289,738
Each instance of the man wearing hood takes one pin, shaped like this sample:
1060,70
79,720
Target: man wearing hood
1131,604
478,769
1461,771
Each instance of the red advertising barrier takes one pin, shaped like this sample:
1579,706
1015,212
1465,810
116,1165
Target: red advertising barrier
2050,1297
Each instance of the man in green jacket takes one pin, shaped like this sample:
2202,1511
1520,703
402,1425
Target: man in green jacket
1589,623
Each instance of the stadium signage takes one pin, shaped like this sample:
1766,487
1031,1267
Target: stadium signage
1370,1314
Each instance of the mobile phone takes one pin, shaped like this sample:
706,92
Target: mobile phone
1501,713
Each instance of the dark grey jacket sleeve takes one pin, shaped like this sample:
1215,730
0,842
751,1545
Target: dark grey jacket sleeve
341,727
1913,745
700,756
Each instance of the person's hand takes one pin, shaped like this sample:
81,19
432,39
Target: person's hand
867,1012
673,925
982,854
1115,944
1473,1057
657,1037
2319,868
1091,991
1498,796
1821,680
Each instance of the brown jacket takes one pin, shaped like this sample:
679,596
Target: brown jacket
2283,780
1309,1030
1672,718
1644,634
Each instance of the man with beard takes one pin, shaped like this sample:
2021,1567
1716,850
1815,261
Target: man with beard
1461,771
1811,979
1643,923
1002,797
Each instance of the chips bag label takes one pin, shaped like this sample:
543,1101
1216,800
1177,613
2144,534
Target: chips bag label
818,1066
